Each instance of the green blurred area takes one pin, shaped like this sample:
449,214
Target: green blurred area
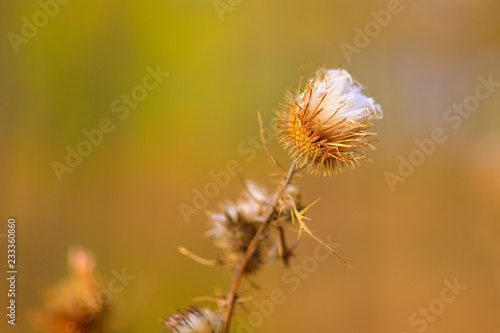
122,201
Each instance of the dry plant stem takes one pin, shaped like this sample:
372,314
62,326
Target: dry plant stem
198,259
285,253
240,269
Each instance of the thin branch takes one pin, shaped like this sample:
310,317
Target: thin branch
284,251
240,269
198,259
271,157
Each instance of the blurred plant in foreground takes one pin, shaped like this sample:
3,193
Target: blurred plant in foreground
74,306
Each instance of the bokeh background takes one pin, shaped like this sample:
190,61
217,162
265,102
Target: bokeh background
122,201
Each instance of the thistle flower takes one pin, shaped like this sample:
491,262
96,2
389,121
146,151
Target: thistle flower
194,320
325,126
234,228
74,305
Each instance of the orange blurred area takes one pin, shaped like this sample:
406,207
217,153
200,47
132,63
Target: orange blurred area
113,115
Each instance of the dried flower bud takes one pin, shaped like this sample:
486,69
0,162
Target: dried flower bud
194,320
74,305
325,126
235,227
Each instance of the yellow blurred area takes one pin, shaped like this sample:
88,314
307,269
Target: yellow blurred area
405,239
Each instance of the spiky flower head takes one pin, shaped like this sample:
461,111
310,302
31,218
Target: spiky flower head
74,305
326,125
194,320
234,228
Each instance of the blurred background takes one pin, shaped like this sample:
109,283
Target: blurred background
225,61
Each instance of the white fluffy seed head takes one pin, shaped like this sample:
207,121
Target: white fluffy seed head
340,97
